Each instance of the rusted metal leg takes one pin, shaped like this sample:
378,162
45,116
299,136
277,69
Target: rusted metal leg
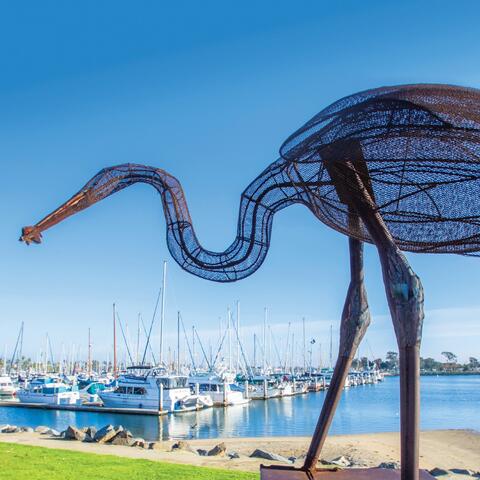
355,320
405,298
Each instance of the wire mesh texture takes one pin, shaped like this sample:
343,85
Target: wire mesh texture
414,148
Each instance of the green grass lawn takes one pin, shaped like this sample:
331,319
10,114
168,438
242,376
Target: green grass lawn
21,462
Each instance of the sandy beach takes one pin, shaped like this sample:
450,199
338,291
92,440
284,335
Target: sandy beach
440,448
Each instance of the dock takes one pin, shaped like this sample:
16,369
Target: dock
88,408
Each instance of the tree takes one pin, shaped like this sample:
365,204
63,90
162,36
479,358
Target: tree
473,362
392,360
429,364
450,357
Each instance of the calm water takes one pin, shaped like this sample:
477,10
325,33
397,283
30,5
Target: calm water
447,402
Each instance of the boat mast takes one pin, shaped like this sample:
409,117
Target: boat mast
304,351
264,340
114,343
89,366
331,340
162,312
178,343
229,320
5,360
138,340
238,335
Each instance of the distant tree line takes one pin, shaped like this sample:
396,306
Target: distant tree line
430,365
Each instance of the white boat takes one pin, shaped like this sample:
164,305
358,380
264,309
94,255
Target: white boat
49,391
7,389
220,389
261,387
153,389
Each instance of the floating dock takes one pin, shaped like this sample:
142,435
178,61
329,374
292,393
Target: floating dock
90,408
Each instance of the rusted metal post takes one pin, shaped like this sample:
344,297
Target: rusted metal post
355,320
404,293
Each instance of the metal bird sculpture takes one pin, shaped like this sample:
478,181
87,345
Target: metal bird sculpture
397,166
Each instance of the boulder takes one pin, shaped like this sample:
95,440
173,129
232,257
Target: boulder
258,453
138,442
104,434
462,471
51,431
4,427
232,455
11,429
123,437
91,432
88,439
27,429
438,472
182,445
73,433
217,450
202,452
41,429
341,462
389,465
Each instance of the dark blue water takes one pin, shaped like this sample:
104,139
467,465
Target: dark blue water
447,402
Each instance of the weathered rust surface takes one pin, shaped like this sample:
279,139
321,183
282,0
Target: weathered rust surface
288,473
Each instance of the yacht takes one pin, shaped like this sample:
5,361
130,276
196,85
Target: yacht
263,387
7,389
141,387
220,388
48,391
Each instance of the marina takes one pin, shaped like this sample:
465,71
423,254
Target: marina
450,402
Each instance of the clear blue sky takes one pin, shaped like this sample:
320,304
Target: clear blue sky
208,91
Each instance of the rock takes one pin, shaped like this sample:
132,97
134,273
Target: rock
11,429
341,462
202,452
27,429
41,429
232,455
123,437
217,450
438,472
138,442
104,434
389,465
182,445
91,432
462,471
51,431
258,453
73,433
4,427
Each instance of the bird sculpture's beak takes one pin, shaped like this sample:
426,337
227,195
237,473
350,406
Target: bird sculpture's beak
34,234
30,235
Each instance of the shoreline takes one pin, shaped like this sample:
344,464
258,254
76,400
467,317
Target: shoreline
444,449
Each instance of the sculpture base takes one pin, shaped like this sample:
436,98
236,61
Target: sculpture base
276,472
